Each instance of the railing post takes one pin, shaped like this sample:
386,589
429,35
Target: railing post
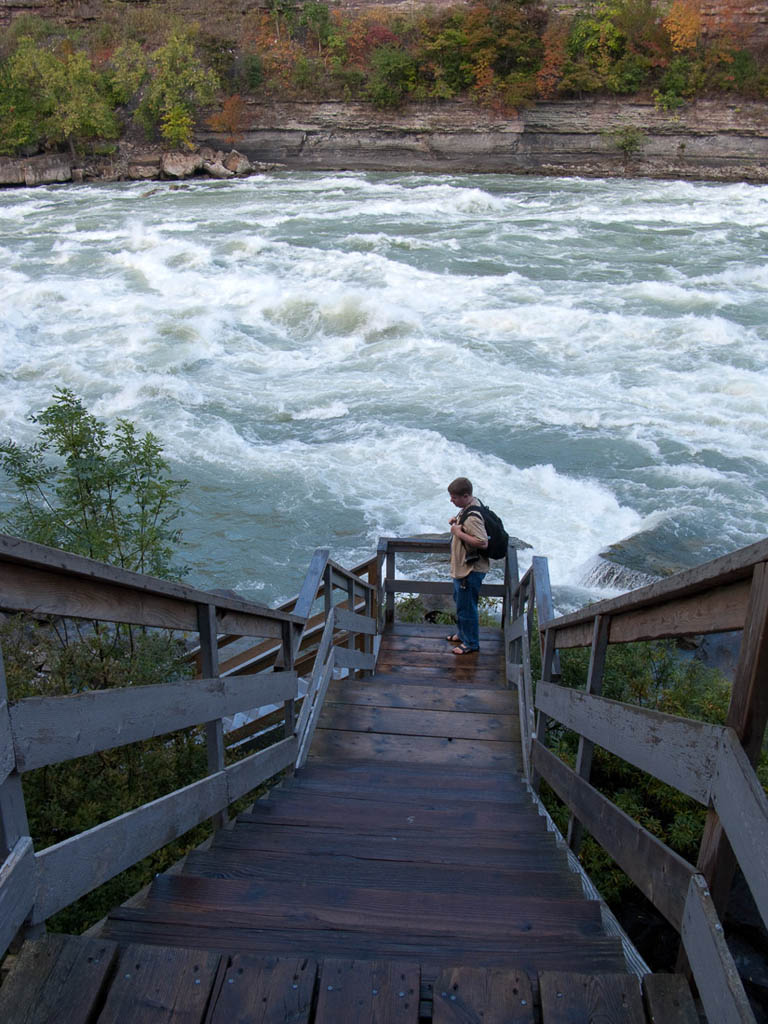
594,685
389,617
367,638
381,575
511,580
289,643
327,591
209,667
14,824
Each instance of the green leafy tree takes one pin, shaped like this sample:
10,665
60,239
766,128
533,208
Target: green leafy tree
179,86
128,71
105,494
317,19
392,78
50,98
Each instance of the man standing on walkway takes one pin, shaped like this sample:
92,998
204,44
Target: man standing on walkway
468,564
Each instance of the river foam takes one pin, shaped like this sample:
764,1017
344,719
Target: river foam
321,354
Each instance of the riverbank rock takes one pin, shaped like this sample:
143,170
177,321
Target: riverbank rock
46,169
181,165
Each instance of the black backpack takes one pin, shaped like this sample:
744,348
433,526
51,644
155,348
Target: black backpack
498,538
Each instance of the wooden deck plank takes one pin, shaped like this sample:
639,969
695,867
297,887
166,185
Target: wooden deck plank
474,995
368,992
322,905
568,998
415,847
391,793
154,984
175,926
397,876
413,722
346,813
469,777
338,745
265,990
57,978
432,698
668,999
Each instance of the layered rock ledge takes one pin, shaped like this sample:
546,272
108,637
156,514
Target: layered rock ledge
713,140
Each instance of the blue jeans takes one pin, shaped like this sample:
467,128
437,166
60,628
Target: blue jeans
465,594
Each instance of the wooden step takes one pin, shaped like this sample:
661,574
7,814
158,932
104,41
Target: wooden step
405,791
340,745
418,722
522,850
398,818
396,876
321,905
460,776
385,694
532,953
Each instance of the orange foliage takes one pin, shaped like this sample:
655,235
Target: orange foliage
683,23
232,118
555,41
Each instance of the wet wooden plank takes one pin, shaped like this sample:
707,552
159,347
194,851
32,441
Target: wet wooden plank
350,815
432,698
475,995
568,998
265,990
335,744
410,722
372,910
532,953
486,849
395,791
155,984
57,978
397,876
668,999
490,660
368,992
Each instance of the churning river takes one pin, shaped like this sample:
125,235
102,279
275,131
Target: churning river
321,353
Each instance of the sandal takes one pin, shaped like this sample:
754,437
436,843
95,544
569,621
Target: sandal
463,649
454,639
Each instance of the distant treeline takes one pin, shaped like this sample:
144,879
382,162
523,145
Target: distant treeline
143,69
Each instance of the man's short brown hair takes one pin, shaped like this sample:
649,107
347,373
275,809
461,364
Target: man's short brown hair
460,486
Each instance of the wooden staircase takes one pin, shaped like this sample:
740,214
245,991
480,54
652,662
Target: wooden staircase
404,875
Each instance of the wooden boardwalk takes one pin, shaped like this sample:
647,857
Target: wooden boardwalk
403,875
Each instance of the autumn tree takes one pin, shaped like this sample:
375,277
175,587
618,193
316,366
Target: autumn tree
232,119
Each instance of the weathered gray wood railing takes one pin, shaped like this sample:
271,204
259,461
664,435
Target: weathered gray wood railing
35,732
711,764
325,581
389,585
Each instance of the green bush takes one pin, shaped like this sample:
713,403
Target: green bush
392,78
101,493
653,675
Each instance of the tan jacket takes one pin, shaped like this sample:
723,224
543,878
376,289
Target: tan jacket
472,524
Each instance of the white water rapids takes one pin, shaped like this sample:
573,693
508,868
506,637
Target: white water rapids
321,354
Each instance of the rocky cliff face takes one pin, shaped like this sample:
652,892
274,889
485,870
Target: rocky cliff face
707,140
